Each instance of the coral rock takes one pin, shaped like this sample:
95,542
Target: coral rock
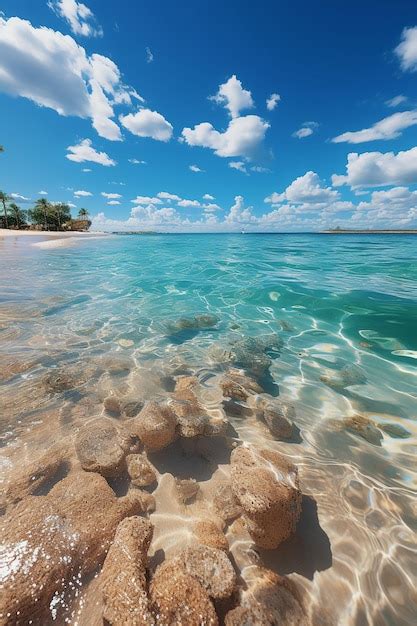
178,599
211,567
210,534
123,575
186,488
225,502
363,427
266,486
48,539
155,426
238,386
141,472
101,447
277,415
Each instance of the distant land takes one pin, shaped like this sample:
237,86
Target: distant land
370,231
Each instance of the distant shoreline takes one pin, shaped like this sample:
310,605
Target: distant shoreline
393,231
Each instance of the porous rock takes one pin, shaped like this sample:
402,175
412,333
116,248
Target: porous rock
266,486
123,577
101,447
363,427
155,426
141,472
276,414
186,488
178,599
238,386
226,503
49,539
209,533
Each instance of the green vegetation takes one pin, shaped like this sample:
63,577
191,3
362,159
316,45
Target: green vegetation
44,215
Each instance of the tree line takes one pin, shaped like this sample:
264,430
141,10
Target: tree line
44,214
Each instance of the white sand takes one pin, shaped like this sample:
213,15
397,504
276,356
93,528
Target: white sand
4,232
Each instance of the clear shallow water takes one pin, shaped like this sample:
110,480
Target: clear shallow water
346,309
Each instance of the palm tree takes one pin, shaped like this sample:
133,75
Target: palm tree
83,214
3,199
17,213
44,206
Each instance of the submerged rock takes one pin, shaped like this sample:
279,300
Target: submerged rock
58,381
192,419
49,539
238,386
395,430
112,405
346,377
123,577
277,415
141,472
363,427
225,502
155,426
210,534
266,486
270,600
196,322
101,447
178,599
211,567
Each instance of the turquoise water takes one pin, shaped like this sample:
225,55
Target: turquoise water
346,310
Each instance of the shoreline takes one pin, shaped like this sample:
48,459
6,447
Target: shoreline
7,232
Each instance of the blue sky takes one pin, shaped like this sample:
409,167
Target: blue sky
182,85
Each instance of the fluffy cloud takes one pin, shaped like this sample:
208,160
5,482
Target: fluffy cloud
80,18
164,195
81,193
19,197
239,214
306,130
85,152
396,101
189,203
53,71
376,169
238,165
111,196
388,128
147,123
407,50
272,101
233,97
306,189
195,168
242,137
43,193
146,200
207,196
113,202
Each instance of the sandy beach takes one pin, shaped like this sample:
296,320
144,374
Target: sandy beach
50,239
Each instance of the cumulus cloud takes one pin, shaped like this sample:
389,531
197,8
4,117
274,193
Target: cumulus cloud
42,193
388,128
239,214
242,137
165,195
53,71
113,202
272,101
233,97
19,197
146,200
84,151
81,193
238,165
306,130
189,203
147,123
195,168
406,50
79,17
111,196
207,196
396,101
305,189
377,169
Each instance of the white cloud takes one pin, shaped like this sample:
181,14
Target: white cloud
233,97
86,169
306,189
272,101
239,214
396,101
306,130
238,165
189,203
147,123
54,71
376,169
42,193
146,200
136,162
113,202
80,18
149,55
195,168
111,196
85,152
388,128
242,137
207,196
81,193
164,195
19,197
407,49
72,205
260,170
211,207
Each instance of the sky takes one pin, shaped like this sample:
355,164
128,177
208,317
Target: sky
212,116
